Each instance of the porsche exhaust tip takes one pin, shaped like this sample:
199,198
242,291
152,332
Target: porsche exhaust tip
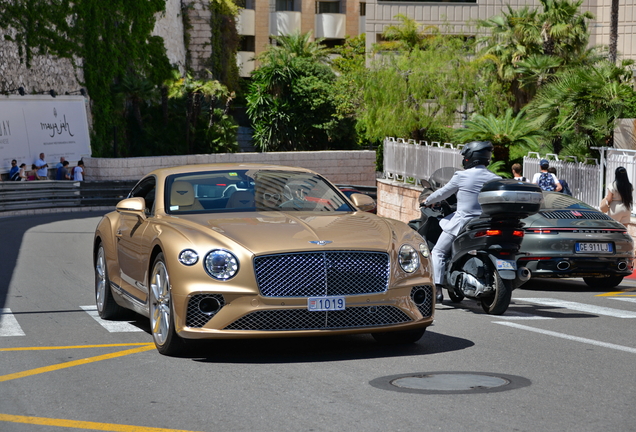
622,265
209,305
563,265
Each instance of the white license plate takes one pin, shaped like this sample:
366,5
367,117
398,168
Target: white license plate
506,265
330,303
594,248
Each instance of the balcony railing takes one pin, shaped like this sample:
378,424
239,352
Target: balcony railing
245,62
331,25
245,23
284,23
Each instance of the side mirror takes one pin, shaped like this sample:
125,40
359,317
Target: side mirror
425,184
135,206
363,202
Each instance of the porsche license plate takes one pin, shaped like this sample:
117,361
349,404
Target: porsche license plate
330,303
594,248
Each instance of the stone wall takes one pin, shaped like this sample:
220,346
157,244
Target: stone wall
199,46
398,200
340,167
169,26
46,72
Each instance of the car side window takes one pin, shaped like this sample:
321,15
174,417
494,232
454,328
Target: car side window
146,190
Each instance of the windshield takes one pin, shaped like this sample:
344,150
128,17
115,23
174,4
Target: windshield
251,190
558,200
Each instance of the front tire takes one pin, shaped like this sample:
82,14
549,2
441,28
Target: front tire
498,303
607,282
399,337
161,310
107,308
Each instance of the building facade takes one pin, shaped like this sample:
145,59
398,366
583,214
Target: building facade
460,17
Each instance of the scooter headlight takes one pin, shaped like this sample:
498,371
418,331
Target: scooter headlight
408,258
424,250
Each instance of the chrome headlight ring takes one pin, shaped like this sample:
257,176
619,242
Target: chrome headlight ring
188,257
408,258
221,264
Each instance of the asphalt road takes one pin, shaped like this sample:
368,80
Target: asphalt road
563,358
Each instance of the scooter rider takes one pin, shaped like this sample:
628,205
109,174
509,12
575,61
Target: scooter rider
466,184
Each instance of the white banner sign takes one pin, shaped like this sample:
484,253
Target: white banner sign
30,125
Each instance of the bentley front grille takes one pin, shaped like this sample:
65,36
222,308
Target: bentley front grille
327,273
302,319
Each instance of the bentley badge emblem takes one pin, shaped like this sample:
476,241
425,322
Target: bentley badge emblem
320,242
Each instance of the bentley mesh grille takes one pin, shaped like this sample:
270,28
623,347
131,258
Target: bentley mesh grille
302,319
426,308
322,273
574,214
197,319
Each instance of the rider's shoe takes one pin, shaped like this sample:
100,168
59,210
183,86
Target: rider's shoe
439,296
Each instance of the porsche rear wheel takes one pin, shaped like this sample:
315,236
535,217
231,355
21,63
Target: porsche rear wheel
161,311
107,308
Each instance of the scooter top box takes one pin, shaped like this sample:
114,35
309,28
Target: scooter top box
510,198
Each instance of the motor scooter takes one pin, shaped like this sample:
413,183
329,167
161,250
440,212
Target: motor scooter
483,263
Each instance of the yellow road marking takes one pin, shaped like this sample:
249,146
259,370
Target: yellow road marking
619,293
72,347
86,425
40,370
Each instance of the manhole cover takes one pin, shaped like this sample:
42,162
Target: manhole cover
450,382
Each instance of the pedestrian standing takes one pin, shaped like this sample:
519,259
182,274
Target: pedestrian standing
619,199
42,168
546,181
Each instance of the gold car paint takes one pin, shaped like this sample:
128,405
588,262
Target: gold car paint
242,235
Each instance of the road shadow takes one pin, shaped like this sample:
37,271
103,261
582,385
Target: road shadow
12,230
316,349
560,285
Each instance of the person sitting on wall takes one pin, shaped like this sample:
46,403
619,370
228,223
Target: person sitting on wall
62,172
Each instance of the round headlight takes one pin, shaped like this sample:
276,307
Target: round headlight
221,264
424,250
188,257
408,258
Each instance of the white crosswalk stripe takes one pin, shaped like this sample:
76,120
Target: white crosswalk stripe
8,324
625,299
111,326
581,307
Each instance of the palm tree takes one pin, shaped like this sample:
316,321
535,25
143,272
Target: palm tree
579,108
564,29
613,42
511,130
296,45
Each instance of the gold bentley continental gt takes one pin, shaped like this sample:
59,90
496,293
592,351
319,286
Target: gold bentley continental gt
248,251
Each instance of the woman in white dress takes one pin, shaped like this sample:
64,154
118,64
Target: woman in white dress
619,197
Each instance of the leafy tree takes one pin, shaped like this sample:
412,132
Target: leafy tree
421,93
291,99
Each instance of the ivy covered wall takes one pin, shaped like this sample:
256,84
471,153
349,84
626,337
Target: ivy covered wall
110,48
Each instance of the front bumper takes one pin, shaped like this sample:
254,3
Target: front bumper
253,316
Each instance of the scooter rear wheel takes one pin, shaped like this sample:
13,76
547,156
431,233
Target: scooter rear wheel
498,303
452,294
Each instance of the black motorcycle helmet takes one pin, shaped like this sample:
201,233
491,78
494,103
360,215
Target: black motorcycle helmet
476,153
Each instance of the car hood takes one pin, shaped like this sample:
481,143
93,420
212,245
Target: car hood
271,232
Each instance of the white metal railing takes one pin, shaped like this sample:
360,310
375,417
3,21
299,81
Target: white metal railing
584,178
404,160
408,161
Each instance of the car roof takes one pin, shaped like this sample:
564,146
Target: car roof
164,172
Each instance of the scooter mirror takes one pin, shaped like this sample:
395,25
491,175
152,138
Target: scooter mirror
425,184
423,197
